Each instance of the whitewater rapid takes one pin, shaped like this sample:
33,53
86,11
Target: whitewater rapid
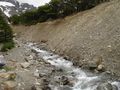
83,81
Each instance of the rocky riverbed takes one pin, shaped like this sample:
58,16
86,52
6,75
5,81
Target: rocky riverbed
30,67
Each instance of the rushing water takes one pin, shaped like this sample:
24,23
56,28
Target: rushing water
83,81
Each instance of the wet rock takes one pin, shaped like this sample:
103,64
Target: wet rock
33,50
44,82
58,69
9,85
25,65
76,63
101,67
43,41
33,87
108,72
114,87
64,80
105,86
46,88
65,88
66,57
95,62
92,65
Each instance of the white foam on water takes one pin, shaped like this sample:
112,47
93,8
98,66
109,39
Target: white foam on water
116,84
82,80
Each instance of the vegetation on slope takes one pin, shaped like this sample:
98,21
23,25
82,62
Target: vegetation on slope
6,34
53,10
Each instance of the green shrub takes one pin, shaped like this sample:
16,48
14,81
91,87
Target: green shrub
6,34
15,19
7,68
7,45
5,30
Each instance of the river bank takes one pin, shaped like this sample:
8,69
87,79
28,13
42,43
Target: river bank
36,68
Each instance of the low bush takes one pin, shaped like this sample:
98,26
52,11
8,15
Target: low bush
6,34
7,45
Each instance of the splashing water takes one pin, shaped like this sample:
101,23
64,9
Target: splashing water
83,81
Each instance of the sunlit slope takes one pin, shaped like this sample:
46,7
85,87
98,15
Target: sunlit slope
95,32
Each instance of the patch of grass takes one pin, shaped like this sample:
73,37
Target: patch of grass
7,68
7,46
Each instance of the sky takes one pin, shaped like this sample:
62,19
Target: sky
34,2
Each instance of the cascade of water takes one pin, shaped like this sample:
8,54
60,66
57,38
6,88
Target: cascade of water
84,82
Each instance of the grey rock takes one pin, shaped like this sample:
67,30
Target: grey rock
105,86
92,65
66,57
65,80
25,65
33,88
36,73
114,87
46,88
101,67
64,88
45,82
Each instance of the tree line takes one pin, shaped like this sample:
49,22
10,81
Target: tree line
53,10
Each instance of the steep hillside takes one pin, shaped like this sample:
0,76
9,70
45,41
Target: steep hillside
86,36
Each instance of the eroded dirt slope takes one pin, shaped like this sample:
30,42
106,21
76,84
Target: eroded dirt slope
89,35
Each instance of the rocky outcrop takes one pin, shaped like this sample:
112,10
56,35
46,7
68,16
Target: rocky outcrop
12,7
